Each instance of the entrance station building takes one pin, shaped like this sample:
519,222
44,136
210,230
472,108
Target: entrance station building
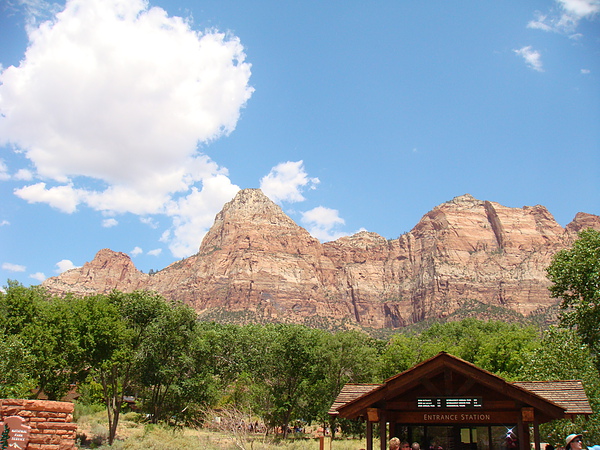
446,403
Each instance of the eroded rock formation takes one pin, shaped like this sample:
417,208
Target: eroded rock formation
257,263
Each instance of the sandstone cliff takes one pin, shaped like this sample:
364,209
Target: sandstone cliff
257,264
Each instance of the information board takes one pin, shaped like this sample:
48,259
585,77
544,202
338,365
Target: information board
450,402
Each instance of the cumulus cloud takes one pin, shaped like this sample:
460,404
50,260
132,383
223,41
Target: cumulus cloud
149,221
565,17
64,265
111,102
4,175
38,276
109,223
194,214
532,57
20,174
24,175
4,222
13,267
136,251
321,223
37,11
286,181
155,252
580,8
64,198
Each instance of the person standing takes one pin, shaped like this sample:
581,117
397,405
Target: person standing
574,442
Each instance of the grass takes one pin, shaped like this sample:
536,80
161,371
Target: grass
132,434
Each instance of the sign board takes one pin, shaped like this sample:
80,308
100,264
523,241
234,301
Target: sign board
457,417
18,436
450,402
373,414
527,414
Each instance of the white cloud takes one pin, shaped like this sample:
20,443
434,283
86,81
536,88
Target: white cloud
566,17
193,215
580,8
13,267
4,175
109,223
39,276
155,252
585,71
150,222
286,181
4,222
540,23
321,223
64,265
532,57
110,103
136,251
21,174
37,11
24,175
64,198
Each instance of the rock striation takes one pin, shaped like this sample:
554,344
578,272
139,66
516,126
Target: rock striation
257,264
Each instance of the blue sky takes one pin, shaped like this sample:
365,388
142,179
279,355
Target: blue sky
127,125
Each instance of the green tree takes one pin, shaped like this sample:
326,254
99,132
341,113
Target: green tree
461,338
172,366
53,340
506,346
343,357
237,356
401,353
493,345
283,383
15,368
125,321
563,356
45,327
575,277
19,306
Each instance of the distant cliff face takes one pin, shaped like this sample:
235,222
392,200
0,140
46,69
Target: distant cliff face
256,263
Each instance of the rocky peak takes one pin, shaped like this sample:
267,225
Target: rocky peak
257,263
462,201
582,221
107,271
251,205
251,219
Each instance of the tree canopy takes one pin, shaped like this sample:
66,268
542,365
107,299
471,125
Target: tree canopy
575,277
175,367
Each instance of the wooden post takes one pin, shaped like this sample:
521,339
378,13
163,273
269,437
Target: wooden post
391,429
382,432
523,435
369,435
536,435
324,442
527,417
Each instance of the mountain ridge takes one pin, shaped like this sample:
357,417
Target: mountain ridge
257,264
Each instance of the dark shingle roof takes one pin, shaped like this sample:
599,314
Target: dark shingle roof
350,392
569,394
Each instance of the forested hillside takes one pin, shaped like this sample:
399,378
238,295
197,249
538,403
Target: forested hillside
139,344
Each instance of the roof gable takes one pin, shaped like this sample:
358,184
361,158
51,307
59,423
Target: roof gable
443,375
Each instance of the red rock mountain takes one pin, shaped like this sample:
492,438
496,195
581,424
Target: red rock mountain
256,264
